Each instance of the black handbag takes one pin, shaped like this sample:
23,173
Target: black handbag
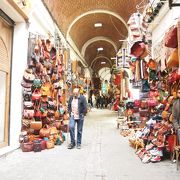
37,146
129,105
145,86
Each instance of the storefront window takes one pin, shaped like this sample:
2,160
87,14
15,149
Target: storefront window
3,81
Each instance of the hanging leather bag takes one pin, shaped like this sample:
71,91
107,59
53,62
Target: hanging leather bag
27,147
173,60
36,125
37,146
44,132
36,95
171,39
28,76
28,113
139,49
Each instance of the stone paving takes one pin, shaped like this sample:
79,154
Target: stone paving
105,155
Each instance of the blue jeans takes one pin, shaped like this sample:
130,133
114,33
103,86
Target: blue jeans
178,133
72,124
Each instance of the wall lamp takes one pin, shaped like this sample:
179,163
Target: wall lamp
172,4
155,11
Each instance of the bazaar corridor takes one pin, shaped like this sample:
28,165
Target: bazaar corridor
105,155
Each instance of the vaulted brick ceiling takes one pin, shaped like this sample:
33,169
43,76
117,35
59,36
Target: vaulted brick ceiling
65,12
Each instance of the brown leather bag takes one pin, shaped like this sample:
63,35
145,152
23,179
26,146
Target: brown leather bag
27,147
171,39
50,144
36,125
173,60
44,132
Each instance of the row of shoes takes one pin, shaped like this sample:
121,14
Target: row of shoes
150,154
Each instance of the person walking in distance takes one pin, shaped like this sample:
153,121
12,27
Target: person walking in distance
176,114
77,108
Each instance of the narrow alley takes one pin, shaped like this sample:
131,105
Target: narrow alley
105,155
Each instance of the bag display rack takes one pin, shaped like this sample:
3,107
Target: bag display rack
44,113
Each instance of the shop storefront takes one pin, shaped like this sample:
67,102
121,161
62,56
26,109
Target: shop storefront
21,24
146,116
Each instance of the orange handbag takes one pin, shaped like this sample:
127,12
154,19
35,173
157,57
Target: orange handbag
50,144
152,64
36,125
173,60
44,132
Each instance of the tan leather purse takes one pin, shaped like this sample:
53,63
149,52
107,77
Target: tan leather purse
173,60
36,125
50,144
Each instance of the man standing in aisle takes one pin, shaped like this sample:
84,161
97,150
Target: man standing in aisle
77,108
176,114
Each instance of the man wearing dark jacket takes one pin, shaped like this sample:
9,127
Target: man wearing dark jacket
77,108
176,113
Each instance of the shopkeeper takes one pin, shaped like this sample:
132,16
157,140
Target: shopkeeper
176,113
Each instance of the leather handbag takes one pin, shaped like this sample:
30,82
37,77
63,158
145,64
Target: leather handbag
25,84
152,64
28,76
28,104
36,125
145,86
65,116
43,144
37,146
27,147
27,95
173,60
173,77
28,113
37,83
44,132
138,49
64,127
152,102
144,104
46,89
26,123
143,112
171,39
137,103
36,95
129,105
50,144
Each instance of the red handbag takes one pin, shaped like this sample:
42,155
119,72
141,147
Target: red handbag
36,95
137,103
173,76
152,102
171,39
27,147
144,104
143,112
138,49
28,113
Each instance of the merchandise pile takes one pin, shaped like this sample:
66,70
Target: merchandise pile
147,120
44,115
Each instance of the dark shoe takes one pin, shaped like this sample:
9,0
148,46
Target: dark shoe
78,146
71,146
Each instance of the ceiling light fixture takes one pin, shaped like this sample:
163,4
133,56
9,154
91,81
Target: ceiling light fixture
98,25
122,40
100,49
103,62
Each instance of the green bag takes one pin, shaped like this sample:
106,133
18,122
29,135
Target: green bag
37,83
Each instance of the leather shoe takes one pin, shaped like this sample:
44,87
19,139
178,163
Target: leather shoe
71,146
